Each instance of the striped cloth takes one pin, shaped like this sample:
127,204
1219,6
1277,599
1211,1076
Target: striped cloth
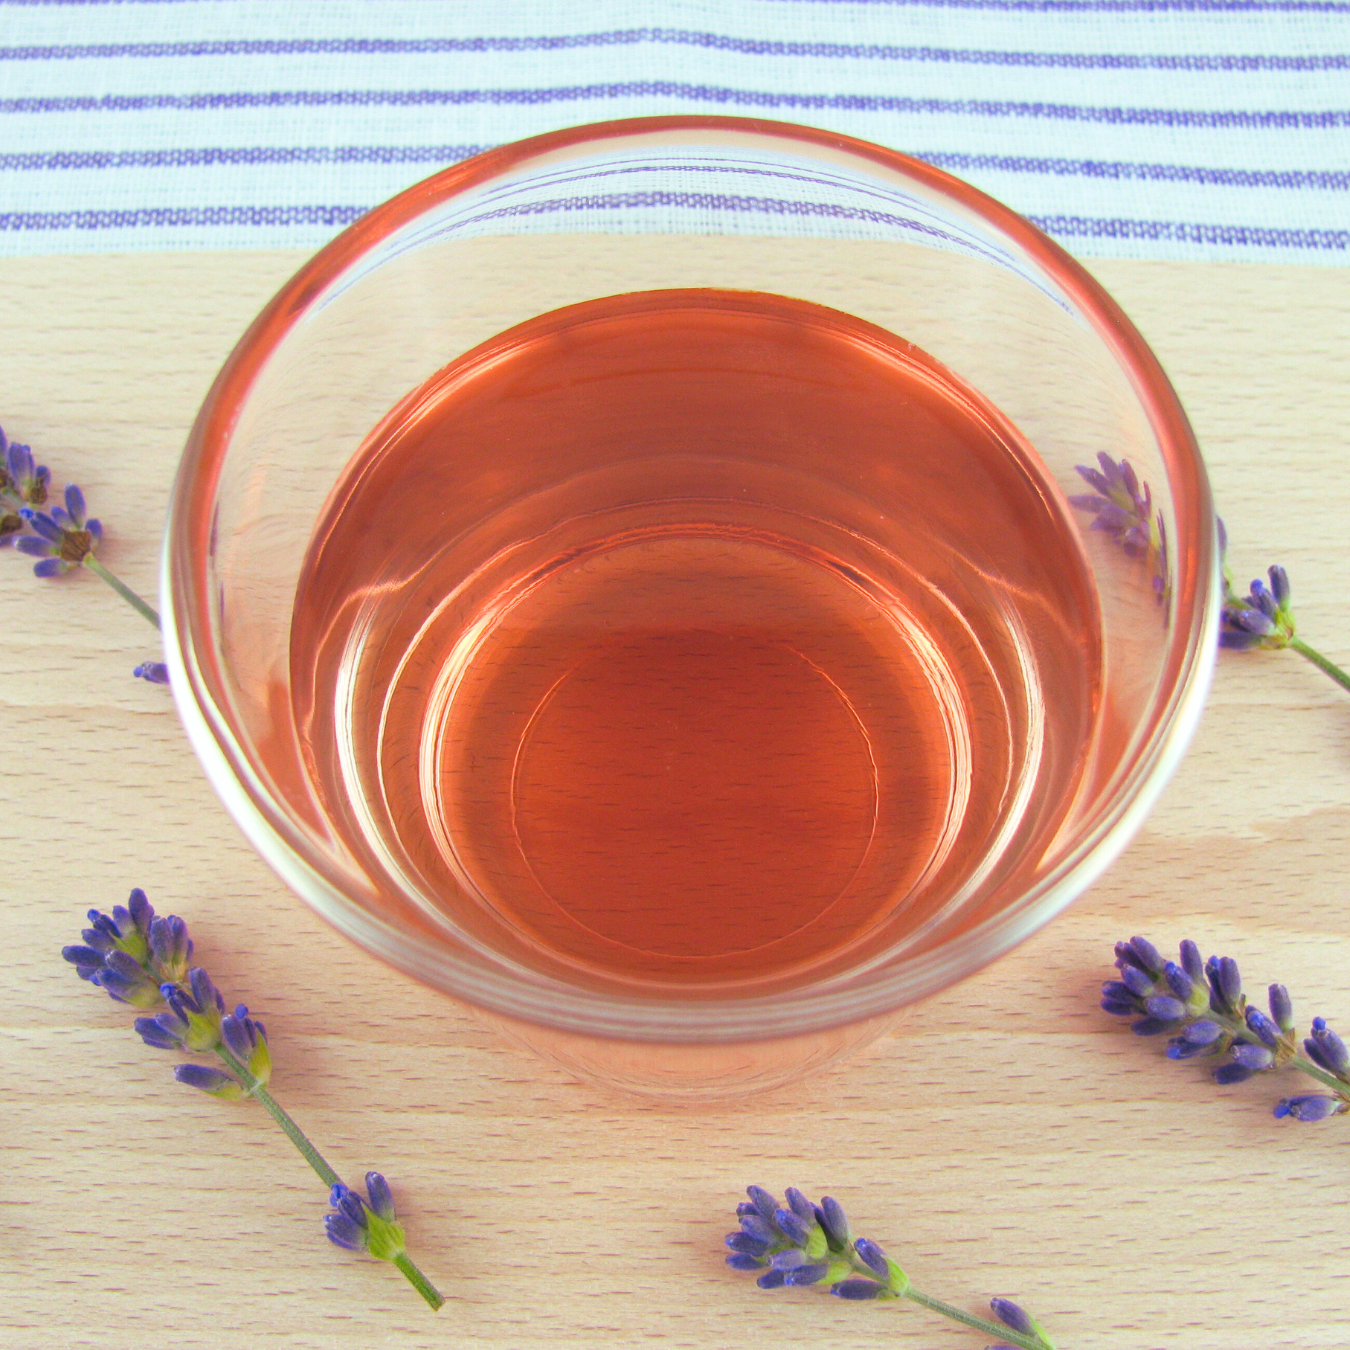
1210,129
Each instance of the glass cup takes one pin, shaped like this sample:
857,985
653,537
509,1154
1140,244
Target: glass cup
1061,626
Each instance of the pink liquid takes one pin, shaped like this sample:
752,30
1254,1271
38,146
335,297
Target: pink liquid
694,638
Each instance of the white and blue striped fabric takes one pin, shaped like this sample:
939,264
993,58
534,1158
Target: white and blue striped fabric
1208,129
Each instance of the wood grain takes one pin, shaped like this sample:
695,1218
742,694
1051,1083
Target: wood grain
1013,1140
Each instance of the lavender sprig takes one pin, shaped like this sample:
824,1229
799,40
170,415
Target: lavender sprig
143,959
1201,1004
801,1243
61,539
1264,617
1122,506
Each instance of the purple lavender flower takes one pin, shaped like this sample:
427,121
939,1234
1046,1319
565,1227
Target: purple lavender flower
1264,618
1206,1009
22,482
1314,1107
153,672
1122,506
800,1244
1261,618
62,539
366,1223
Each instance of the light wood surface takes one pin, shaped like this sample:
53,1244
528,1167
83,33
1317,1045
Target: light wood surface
1013,1140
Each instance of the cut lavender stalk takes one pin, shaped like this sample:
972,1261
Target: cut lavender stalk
1264,618
143,959
1122,507
61,539
803,1244
1214,1018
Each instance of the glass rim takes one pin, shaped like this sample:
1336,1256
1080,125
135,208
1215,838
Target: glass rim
200,690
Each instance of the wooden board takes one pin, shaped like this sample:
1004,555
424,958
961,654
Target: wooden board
1014,1140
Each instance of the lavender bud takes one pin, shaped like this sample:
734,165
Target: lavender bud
737,1260
800,1205
1281,1007
1227,1074
1165,1009
1254,1057
793,1228
762,1201
1192,962
1012,1316
1279,584
873,1257
1179,982
1150,958
743,1242
1203,1032
1137,982
1332,1053
771,1279
1311,1108
835,1222
1262,1028
810,1274
753,1225
858,1289
1181,1048
1151,1026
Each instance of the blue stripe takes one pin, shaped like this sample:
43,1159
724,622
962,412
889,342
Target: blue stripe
1168,117
263,154
1333,181
1258,236
159,217
676,37
336,216
1111,170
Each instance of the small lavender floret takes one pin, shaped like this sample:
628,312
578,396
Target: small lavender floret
873,1257
1153,1026
1165,1009
153,672
788,1259
772,1279
800,1205
1225,983
743,1242
1139,984
1181,1048
1262,1028
1012,1316
1203,1032
737,1260
792,1227
1326,1048
215,1081
1181,984
1149,957
1192,962
1254,1057
755,1226
1281,1007
1310,1108
810,1273
1228,1074
835,1223
763,1202
857,1290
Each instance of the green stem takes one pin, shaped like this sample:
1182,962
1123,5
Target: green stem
293,1132
1321,662
315,1159
122,589
419,1281
996,1329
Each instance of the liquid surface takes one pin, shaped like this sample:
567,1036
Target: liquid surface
694,638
